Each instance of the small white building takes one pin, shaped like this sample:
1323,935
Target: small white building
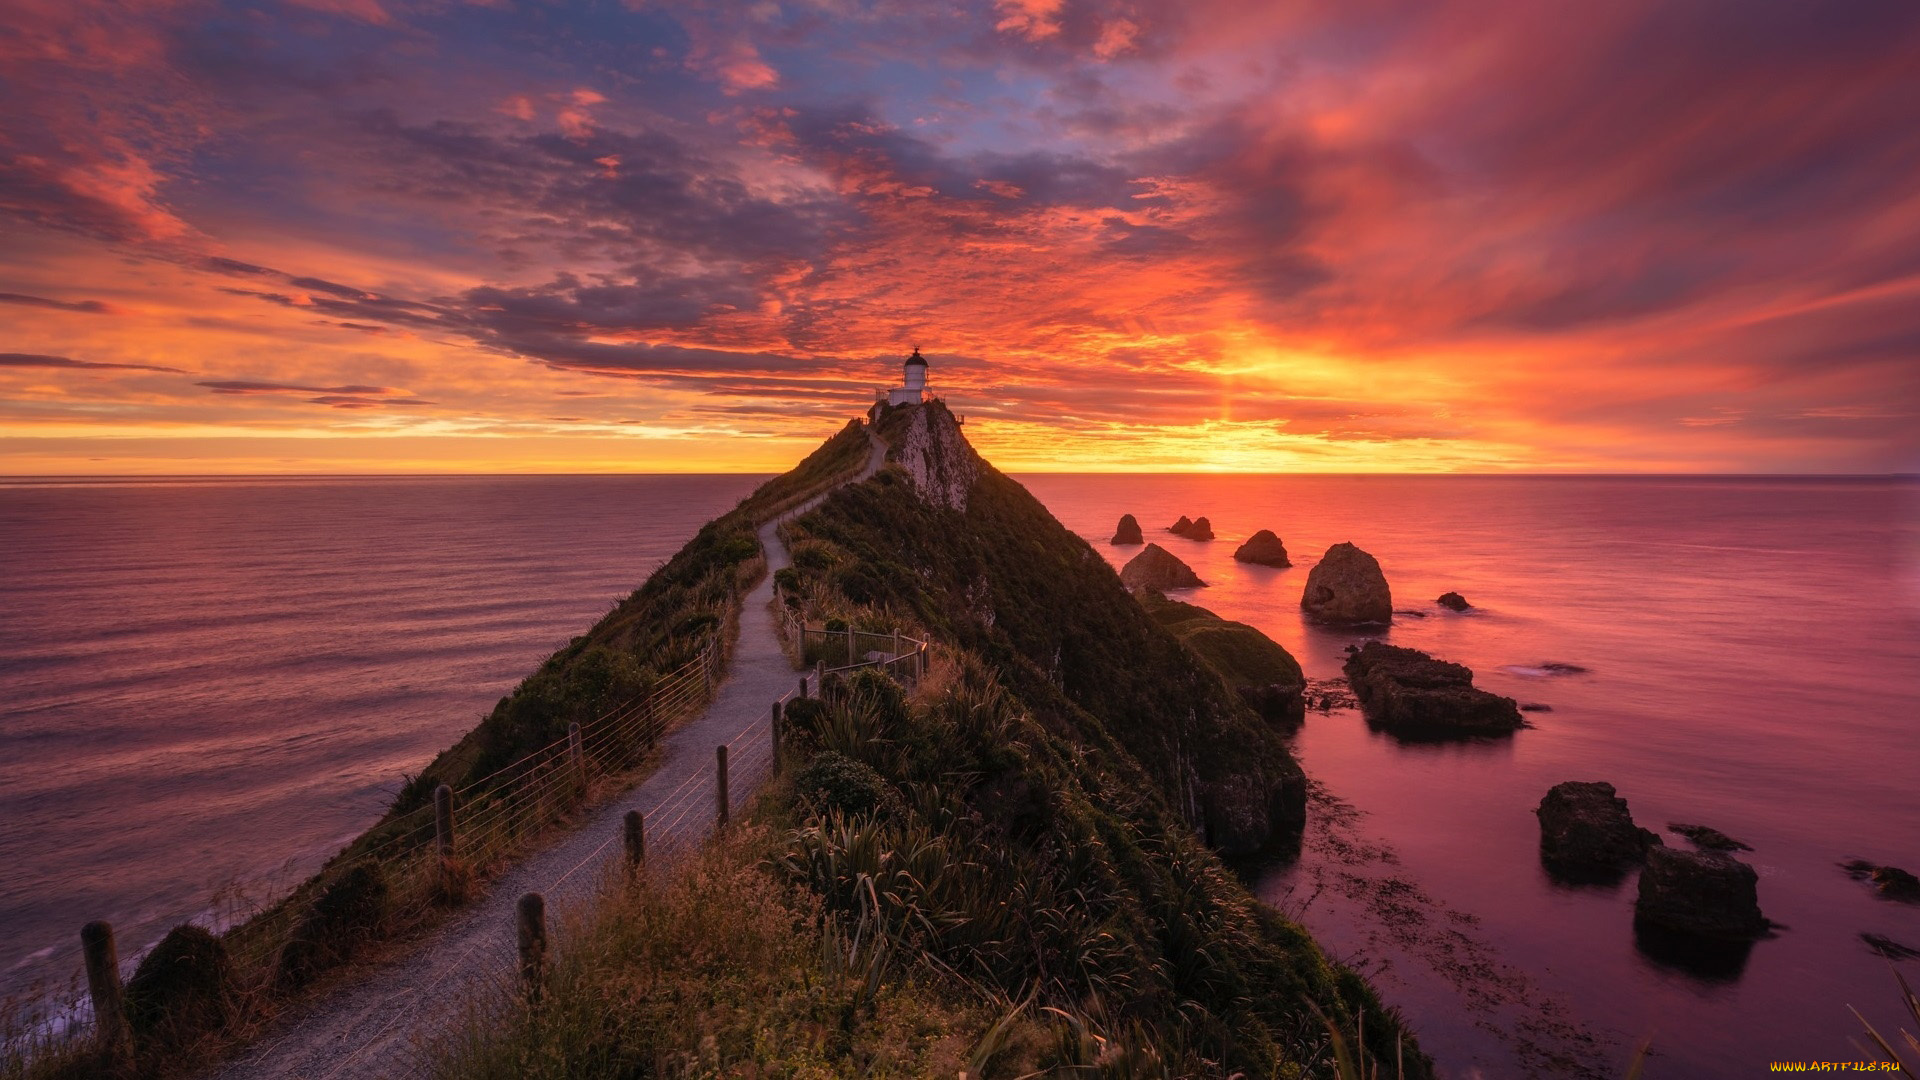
914,388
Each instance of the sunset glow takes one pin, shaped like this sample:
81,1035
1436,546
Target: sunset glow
397,236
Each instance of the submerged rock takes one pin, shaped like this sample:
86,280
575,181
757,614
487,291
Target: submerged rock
1158,568
1263,548
1708,839
1536,706
1128,531
1346,587
1701,893
1408,691
1586,831
1453,601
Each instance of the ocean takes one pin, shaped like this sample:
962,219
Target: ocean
208,685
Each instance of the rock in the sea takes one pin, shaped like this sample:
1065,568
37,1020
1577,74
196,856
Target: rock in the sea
1536,706
1263,548
1158,568
1128,531
1702,893
1891,881
1453,601
1346,587
1406,690
1708,839
1586,830
1192,528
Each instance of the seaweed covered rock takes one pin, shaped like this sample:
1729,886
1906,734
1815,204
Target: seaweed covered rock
1453,601
348,912
1700,893
1158,568
1407,691
1263,548
1587,832
1128,531
1346,587
1266,676
182,989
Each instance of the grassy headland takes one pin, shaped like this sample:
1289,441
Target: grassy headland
1003,872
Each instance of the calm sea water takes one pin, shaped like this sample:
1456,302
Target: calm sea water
1753,656
214,682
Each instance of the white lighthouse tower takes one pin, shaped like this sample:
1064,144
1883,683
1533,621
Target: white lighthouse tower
914,388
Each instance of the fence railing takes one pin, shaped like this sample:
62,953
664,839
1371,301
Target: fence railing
830,652
434,853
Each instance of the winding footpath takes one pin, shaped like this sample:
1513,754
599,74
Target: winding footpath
378,1025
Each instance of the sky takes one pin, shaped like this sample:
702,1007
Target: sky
342,236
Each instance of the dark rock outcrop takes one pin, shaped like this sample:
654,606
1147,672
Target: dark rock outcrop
1346,587
1453,601
1158,568
1195,529
1263,548
1700,893
1128,531
1890,881
1708,839
1586,831
1407,691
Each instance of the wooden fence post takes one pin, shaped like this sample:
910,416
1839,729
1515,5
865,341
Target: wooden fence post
851,659
109,997
720,774
803,688
636,832
773,736
576,749
443,820
531,918
896,646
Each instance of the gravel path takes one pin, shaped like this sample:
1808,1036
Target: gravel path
376,1026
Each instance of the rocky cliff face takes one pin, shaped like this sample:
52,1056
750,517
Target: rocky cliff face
925,441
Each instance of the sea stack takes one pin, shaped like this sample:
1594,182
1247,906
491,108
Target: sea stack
1128,531
1263,548
1453,601
1192,528
1158,568
1587,832
1347,588
1700,893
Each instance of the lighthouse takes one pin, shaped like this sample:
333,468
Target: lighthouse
914,382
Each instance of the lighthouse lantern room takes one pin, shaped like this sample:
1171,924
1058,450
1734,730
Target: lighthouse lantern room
914,388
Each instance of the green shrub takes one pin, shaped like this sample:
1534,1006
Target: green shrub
835,783
348,912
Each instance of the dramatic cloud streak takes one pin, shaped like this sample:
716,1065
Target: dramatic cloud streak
1470,234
